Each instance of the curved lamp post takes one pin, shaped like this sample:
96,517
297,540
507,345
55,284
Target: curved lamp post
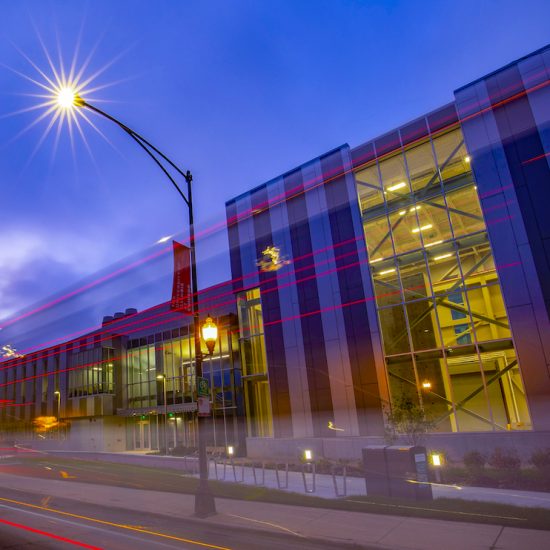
68,99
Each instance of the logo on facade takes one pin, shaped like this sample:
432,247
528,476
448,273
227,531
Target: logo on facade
272,259
9,352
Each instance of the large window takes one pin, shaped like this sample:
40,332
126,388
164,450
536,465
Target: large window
445,331
92,372
254,365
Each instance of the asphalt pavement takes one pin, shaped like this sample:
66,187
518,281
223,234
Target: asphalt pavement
101,505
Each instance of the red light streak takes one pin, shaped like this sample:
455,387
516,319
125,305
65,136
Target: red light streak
207,300
534,159
87,286
11,363
287,195
50,535
277,321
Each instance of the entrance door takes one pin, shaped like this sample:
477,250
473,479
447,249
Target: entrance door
142,439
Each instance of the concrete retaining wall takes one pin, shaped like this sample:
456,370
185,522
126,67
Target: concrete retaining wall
453,445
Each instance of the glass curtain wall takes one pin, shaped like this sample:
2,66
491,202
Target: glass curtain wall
446,336
172,354
255,378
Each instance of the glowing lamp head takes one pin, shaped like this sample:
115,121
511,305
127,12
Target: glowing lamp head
66,97
230,450
308,454
209,333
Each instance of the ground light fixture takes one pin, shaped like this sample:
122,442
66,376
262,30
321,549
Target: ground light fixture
436,459
437,462
308,455
204,500
230,450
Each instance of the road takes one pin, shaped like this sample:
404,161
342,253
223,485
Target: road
31,520
91,526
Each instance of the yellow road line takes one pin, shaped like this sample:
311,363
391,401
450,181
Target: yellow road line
119,525
65,475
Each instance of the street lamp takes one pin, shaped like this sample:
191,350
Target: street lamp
68,99
210,334
163,378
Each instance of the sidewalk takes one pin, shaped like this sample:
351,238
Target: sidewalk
373,530
324,484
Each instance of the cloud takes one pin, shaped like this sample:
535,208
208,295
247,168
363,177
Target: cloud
34,264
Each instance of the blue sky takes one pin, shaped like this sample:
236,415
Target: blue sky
238,92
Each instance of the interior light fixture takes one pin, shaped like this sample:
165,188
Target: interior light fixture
422,228
432,244
375,260
467,159
397,186
387,271
427,385
443,256
402,213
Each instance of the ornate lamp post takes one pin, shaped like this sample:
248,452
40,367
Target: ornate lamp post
67,98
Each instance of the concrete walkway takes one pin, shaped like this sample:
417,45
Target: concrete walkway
372,530
324,484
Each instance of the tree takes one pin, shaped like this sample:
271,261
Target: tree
407,420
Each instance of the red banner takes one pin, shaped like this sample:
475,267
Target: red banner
181,289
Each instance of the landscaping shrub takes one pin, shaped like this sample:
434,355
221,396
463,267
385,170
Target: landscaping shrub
507,463
540,459
181,450
474,462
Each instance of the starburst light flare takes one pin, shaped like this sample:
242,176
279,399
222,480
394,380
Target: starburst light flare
61,93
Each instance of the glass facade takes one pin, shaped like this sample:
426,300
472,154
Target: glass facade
171,354
446,337
259,416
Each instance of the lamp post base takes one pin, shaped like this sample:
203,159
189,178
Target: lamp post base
205,504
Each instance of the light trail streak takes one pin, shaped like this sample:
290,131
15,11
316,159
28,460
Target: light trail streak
118,525
49,535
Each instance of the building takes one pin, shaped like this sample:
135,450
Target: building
415,273
114,389
410,271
